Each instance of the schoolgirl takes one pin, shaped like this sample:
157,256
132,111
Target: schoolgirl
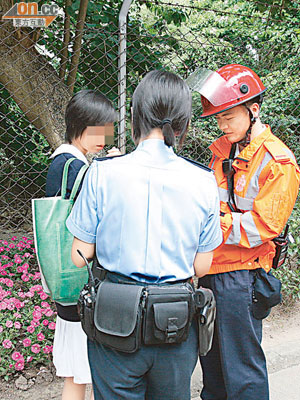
87,109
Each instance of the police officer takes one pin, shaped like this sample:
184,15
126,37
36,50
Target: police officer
151,222
258,180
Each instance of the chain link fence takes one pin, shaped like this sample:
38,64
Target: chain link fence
42,67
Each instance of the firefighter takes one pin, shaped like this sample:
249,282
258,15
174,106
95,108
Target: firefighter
258,180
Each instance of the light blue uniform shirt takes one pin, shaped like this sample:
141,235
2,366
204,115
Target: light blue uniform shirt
148,212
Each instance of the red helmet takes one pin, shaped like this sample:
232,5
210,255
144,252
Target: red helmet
228,87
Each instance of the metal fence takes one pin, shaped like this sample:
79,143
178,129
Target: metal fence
96,47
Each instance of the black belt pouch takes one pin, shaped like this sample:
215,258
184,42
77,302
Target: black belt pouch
118,315
168,314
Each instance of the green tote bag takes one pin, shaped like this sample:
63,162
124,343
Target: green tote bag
53,242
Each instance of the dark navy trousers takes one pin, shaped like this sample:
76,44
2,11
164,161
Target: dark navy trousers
153,372
235,367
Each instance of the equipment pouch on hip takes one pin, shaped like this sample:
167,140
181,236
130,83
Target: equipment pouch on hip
118,315
266,293
168,314
206,314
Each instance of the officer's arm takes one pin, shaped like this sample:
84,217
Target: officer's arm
87,249
202,263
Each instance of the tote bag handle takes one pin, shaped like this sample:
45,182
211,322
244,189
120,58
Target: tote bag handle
77,181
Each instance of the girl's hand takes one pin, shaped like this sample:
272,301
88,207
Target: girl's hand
113,152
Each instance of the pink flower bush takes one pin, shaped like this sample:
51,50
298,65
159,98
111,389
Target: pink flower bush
48,349
17,356
27,314
40,336
19,365
51,325
7,343
35,348
26,342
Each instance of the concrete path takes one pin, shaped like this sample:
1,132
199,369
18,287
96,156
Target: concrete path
281,342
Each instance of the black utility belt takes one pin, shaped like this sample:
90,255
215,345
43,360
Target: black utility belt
124,316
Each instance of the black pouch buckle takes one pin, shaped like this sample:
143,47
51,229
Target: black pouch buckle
117,316
206,313
168,314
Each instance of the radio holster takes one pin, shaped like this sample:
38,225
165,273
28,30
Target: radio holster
206,313
282,244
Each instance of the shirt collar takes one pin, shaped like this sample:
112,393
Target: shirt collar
154,151
71,149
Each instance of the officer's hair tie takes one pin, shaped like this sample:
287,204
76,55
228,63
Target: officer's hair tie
165,121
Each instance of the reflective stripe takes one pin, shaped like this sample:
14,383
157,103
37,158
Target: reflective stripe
235,234
223,194
244,204
253,187
289,153
212,165
251,230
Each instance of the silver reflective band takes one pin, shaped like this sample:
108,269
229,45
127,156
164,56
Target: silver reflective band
235,235
244,203
251,230
223,194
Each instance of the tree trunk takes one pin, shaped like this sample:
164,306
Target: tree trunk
32,82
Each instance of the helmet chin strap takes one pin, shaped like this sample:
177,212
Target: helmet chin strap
246,139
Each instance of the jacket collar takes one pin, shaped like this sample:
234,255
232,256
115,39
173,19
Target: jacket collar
221,147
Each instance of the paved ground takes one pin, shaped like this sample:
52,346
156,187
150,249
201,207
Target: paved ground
281,344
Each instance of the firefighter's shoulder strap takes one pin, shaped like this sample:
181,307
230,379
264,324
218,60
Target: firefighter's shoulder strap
277,151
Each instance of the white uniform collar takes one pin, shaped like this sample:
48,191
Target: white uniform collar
70,148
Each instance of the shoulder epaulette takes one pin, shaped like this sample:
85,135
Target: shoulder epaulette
107,158
277,151
197,164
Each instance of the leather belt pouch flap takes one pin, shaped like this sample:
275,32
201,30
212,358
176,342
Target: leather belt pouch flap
168,315
117,316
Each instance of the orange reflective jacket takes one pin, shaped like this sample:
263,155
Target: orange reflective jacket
266,185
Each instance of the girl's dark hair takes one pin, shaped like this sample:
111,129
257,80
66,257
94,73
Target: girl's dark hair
87,108
161,100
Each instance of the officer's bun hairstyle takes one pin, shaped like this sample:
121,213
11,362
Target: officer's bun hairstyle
87,108
161,100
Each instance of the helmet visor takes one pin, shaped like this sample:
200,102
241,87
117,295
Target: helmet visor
214,88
